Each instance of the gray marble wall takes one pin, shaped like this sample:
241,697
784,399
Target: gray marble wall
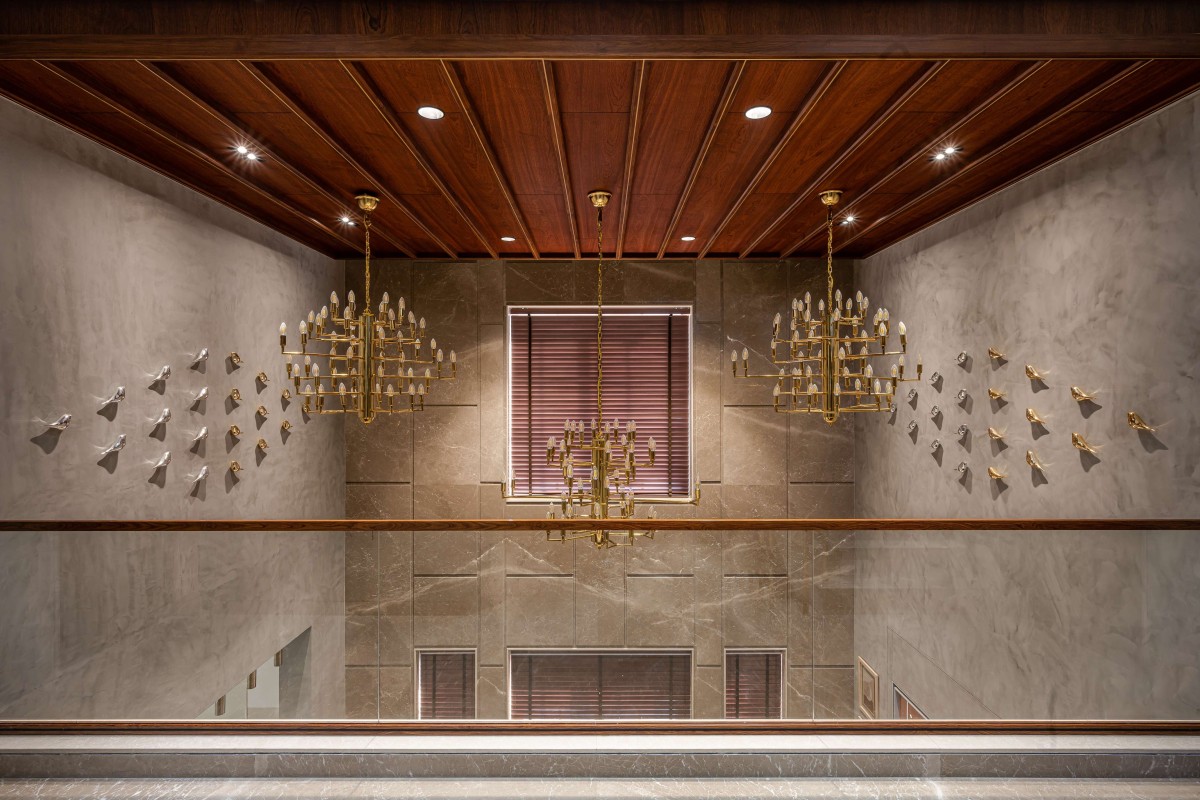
109,271
491,592
1090,272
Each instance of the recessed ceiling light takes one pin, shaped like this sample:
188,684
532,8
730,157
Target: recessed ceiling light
950,150
429,112
346,219
242,150
848,220
939,156
758,112
507,239
687,238
251,156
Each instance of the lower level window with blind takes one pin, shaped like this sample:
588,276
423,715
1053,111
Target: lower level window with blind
446,684
617,684
753,684
647,378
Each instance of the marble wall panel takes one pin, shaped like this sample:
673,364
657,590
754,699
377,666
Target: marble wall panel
671,591
833,598
362,692
798,702
446,295
397,694
491,694
395,597
755,611
446,611
760,455
707,411
380,452
752,292
539,611
124,272
599,597
660,611
1042,272
493,404
708,693
833,693
446,443
820,500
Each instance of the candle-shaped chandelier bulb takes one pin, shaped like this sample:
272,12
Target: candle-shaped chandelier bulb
365,350
832,344
604,454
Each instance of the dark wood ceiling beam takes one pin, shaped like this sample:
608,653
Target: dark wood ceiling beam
373,182
181,141
945,134
629,47
464,103
1004,147
226,121
643,29
817,184
635,123
810,102
550,92
374,96
710,135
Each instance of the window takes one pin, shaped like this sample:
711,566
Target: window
753,684
903,707
446,685
647,378
614,684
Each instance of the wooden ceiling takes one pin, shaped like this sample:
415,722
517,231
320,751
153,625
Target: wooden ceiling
524,139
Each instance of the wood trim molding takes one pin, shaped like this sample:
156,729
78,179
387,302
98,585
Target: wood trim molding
631,138
465,525
550,92
674,728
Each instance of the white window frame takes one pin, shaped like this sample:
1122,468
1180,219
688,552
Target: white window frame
608,310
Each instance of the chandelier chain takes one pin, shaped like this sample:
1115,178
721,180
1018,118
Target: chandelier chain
600,315
367,254
829,256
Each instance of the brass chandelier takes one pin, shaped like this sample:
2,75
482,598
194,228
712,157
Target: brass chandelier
374,364
826,358
599,462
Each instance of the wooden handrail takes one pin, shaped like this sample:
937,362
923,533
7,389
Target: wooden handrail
798,727
707,524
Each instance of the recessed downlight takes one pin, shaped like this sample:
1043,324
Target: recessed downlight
687,238
431,112
848,219
758,112
346,219
242,150
508,239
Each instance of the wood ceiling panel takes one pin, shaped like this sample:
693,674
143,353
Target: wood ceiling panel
1044,92
594,101
334,102
859,95
1157,84
522,143
680,99
950,94
508,99
742,144
449,144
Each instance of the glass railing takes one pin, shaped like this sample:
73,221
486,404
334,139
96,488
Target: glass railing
755,623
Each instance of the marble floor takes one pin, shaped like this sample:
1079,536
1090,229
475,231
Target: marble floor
710,789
